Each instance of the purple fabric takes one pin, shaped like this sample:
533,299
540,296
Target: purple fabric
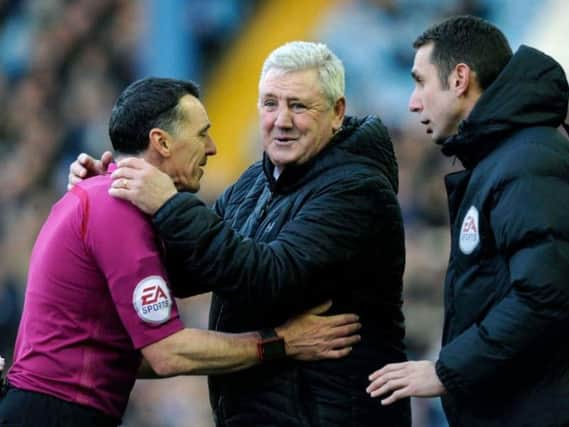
84,317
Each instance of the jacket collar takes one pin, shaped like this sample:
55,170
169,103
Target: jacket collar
362,140
530,91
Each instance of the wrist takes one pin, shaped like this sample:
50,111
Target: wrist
282,332
166,197
169,205
271,345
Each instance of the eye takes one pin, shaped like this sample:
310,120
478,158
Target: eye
204,133
269,104
297,107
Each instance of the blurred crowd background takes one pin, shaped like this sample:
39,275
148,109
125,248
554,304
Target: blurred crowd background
63,62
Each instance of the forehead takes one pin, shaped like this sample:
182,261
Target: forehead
194,111
291,84
422,64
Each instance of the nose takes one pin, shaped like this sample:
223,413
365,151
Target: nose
284,118
415,105
210,148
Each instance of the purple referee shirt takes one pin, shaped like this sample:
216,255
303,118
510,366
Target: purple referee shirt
96,295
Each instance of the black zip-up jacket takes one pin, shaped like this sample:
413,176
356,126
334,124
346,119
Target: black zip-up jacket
329,229
505,355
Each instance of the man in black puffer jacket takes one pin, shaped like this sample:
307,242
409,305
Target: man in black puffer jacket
505,355
316,219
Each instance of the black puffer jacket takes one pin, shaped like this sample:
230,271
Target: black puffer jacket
331,228
505,356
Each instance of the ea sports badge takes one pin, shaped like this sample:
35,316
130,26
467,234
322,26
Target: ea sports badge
151,300
469,232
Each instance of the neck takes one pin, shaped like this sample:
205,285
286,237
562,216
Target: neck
472,97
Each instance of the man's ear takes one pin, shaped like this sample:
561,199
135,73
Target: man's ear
463,79
339,112
160,142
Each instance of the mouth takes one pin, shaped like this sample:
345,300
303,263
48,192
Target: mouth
284,140
427,122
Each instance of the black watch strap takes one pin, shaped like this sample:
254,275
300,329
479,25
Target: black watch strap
271,346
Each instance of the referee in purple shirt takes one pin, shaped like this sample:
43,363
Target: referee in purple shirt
97,300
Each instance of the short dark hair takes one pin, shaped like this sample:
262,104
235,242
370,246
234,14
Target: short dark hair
145,104
469,40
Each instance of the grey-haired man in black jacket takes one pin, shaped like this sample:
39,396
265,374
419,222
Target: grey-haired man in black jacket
317,218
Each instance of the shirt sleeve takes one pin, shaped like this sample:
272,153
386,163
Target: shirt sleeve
122,242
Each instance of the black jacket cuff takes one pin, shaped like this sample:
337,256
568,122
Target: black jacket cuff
451,380
171,205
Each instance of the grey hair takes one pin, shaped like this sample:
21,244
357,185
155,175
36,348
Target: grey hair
302,55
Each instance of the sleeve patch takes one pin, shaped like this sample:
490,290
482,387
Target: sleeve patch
152,301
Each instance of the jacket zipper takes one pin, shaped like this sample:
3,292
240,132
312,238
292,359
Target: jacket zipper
265,207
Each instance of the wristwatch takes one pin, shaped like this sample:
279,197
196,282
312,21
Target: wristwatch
271,346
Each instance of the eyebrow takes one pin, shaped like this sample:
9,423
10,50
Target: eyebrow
205,128
272,95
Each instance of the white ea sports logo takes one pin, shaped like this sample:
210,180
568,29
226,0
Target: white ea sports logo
469,232
151,300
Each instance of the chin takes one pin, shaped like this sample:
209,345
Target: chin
187,188
282,157
438,138
282,161
193,188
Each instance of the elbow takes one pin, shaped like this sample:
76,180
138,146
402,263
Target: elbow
162,365
167,364
164,369
162,360
170,356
